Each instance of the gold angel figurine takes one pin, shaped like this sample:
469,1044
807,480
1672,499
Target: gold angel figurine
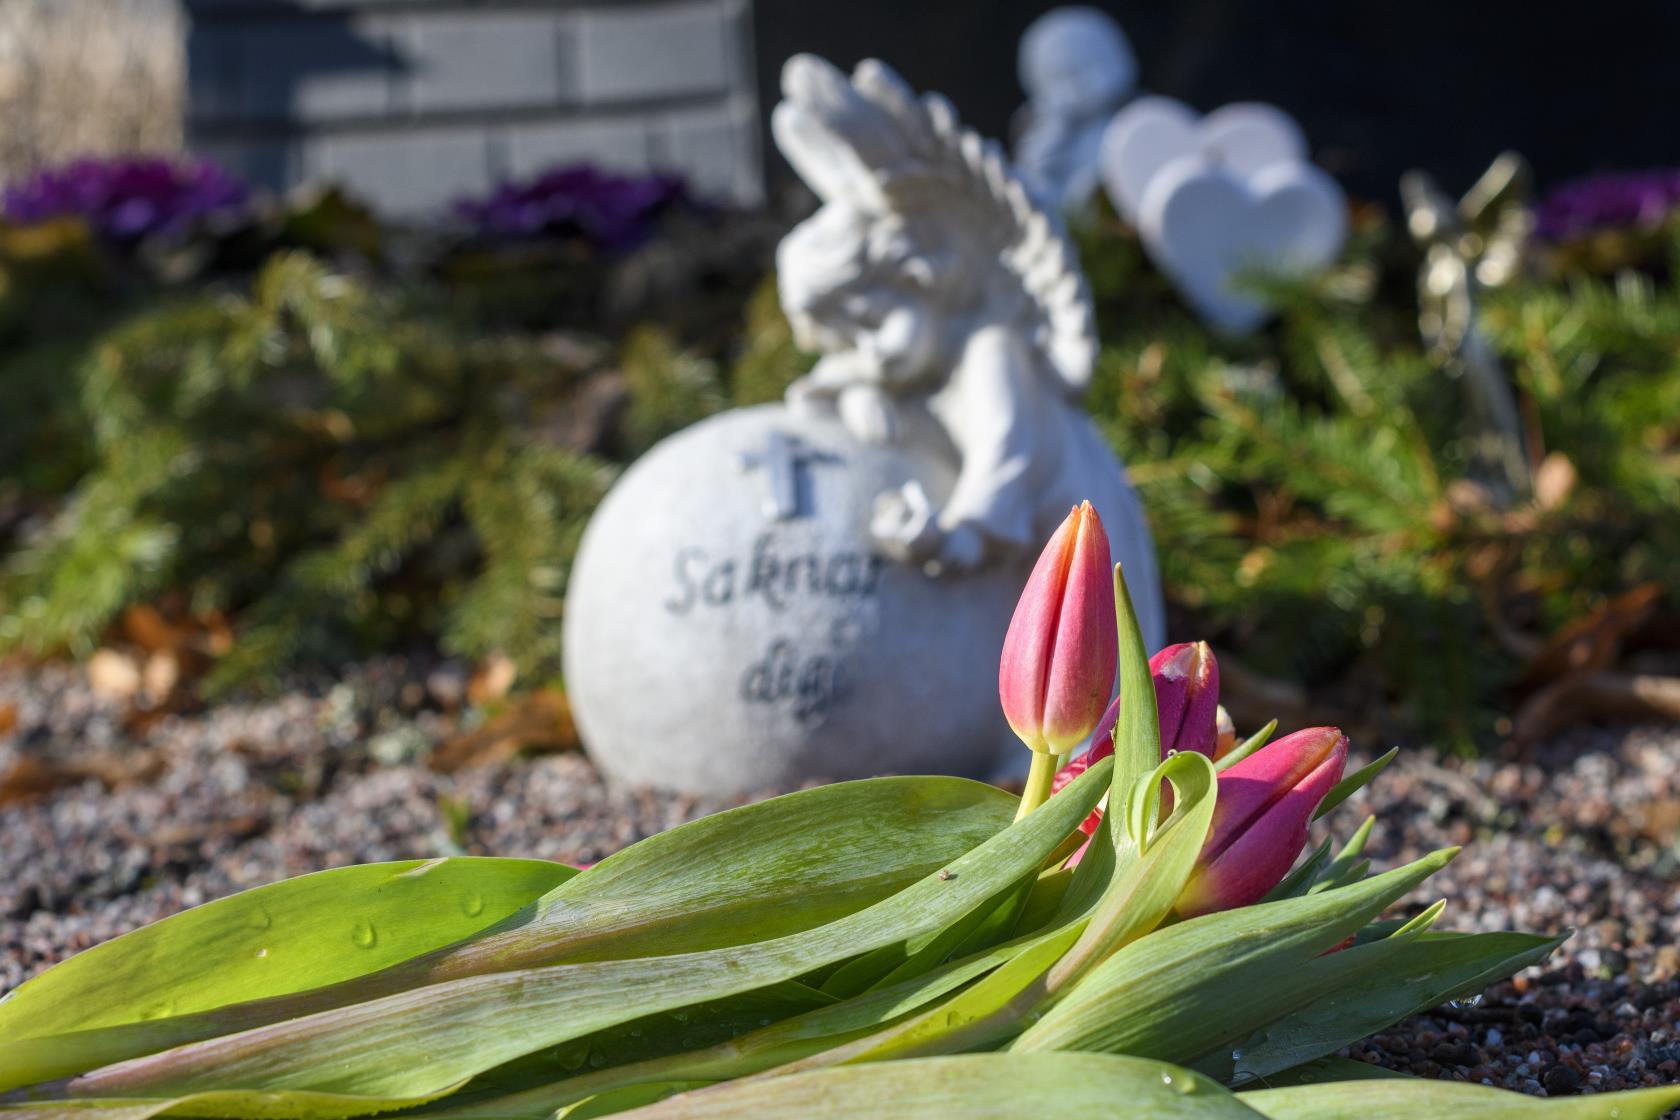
1475,244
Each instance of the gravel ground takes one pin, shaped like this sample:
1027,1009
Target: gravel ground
1582,833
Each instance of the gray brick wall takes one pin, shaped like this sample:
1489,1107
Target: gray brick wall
414,102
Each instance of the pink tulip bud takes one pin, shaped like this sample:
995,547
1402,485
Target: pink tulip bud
1102,745
1260,819
1187,697
1057,669
1186,693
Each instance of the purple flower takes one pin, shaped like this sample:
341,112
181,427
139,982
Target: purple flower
1639,199
127,197
612,212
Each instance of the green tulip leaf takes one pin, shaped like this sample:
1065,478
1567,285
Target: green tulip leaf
616,1101
1305,874
1247,747
1354,782
982,1014
754,873
1321,1071
1373,986
1193,987
418,1042
257,1105
1451,1100
971,1086
784,865
817,1032
274,940
1137,731
1151,867
1147,878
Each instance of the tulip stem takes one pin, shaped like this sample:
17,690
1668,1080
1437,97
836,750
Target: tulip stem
1039,780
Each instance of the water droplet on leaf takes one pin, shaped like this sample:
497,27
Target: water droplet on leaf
364,935
472,905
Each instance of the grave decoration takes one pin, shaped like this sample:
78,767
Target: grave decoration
1476,244
776,594
1223,201
1078,68
892,946
1245,138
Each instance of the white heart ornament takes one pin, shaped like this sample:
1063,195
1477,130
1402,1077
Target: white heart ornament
1206,229
1152,132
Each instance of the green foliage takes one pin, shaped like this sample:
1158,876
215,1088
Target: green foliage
340,462
289,450
769,361
1315,503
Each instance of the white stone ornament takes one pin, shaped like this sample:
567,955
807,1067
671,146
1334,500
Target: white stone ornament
1077,67
820,589
1152,132
1207,228
718,641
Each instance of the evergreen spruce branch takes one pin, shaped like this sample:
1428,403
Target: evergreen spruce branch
527,517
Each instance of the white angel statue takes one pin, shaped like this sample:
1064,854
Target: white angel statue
952,316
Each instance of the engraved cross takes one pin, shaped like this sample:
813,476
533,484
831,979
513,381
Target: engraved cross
781,459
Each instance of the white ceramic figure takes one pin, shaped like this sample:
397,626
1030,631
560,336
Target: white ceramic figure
1152,132
952,315
1077,68
1206,227
820,588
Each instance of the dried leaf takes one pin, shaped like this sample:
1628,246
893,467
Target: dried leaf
1585,696
145,626
34,776
1593,642
541,721
8,718
30,777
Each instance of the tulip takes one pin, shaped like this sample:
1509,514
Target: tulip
1187,698
1057,670
1186,680
1260,818
1102,745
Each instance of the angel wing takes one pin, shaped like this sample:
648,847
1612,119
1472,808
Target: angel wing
868,142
